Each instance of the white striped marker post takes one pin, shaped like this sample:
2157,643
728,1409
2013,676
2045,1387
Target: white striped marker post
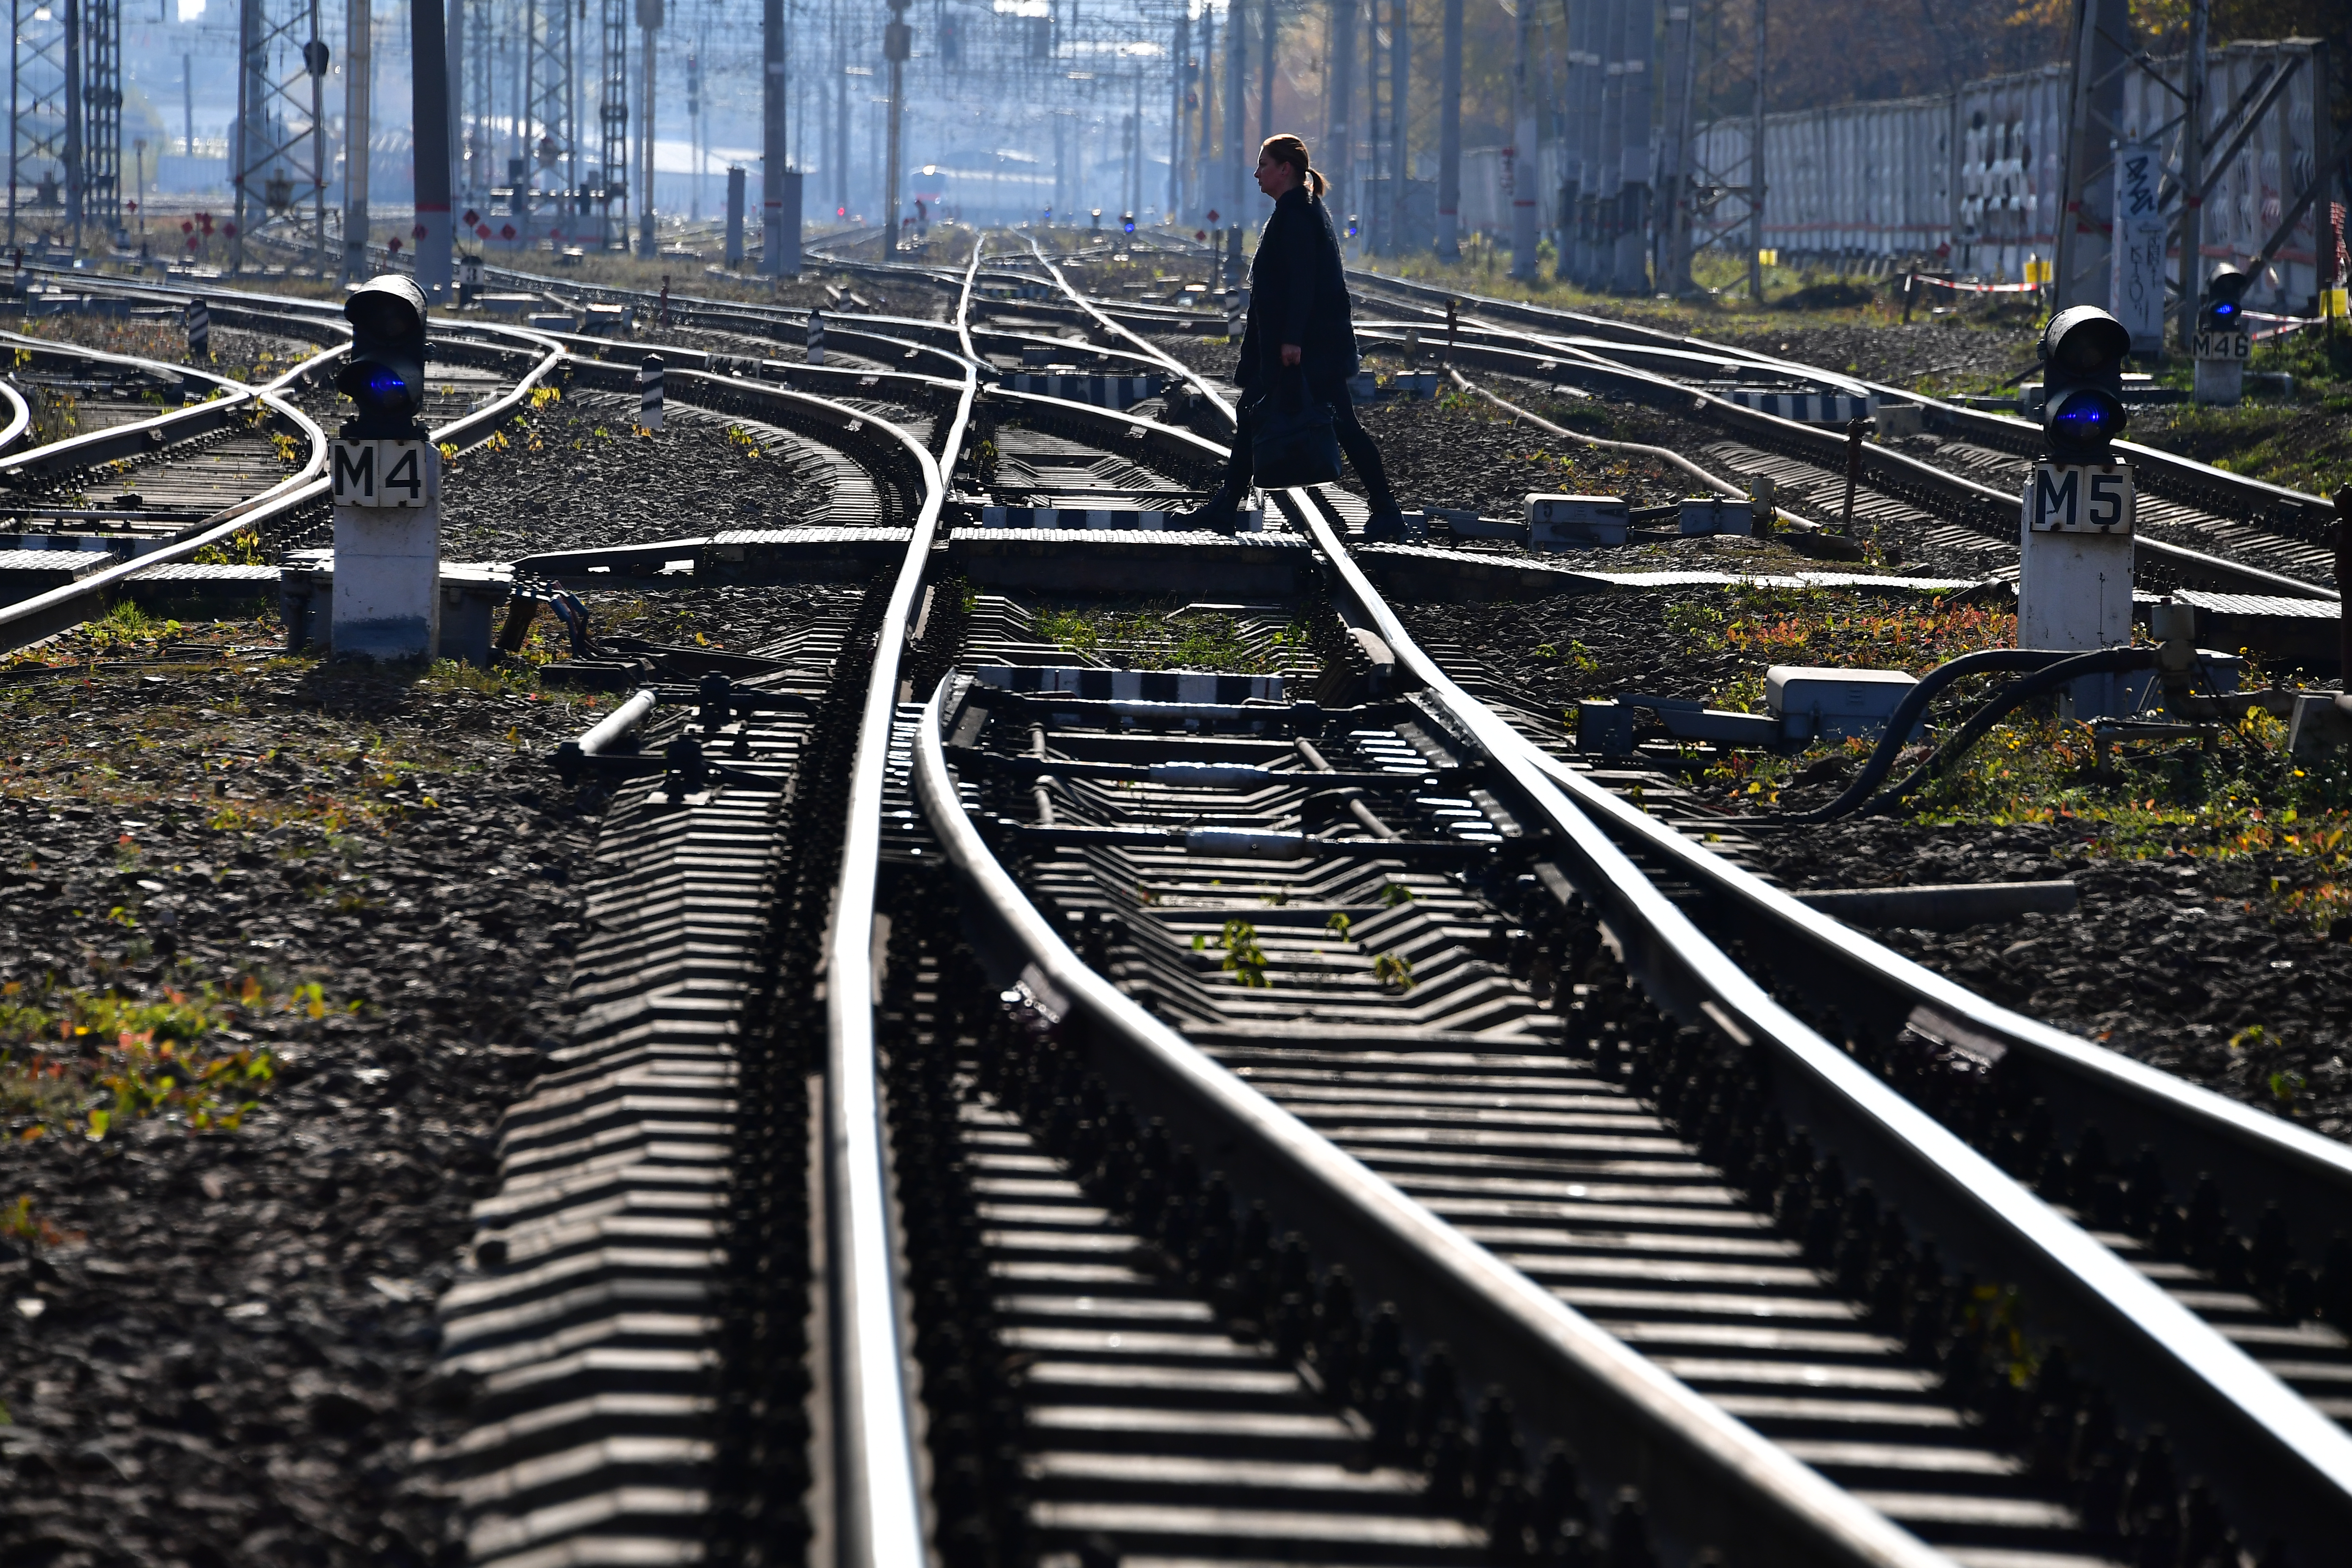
816,337
649,393
200,331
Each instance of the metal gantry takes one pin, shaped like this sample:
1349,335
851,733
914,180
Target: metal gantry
64,122
553,127
281,64
98,196
39,116
613,110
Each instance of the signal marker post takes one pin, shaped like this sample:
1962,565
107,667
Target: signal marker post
387,482
2074,582
649,393
2220,342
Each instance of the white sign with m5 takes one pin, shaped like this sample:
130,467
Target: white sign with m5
2079,498
384,473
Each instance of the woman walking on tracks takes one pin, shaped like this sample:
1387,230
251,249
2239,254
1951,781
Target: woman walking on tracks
1301,335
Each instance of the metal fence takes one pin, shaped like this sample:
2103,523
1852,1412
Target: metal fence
1975,177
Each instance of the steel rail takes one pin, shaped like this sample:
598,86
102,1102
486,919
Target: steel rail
882,1515
846,380
2270,1453
1710,1480
20,417
1829,448
1198,381
2000,429
45,615
139,437
2269,1450
2259,1158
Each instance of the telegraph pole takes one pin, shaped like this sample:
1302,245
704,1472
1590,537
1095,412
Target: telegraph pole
1756,173
1265,88
1203,161
898,43
1339,134
1449,139
779,232
1399,123
1523,155
1236,62
1640,40
649,21
429,110
2192,174
1180,55
1673,162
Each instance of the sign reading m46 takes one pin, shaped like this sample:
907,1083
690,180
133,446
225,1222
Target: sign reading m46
2239,346
2079,498
384,473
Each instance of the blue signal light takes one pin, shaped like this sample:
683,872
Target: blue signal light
2085,420
384,389
2223,308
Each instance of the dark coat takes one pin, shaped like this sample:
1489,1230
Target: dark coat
1298,294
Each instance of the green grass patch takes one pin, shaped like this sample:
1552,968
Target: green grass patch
83,1062
1151,638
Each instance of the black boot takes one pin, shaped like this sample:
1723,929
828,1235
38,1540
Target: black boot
1221,513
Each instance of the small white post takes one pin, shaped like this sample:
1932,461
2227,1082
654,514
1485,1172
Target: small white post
200,332
387,548
649,393
816,337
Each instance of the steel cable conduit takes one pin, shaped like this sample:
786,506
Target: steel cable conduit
1911,709
1707,1476
29,620
881,1507
2100,661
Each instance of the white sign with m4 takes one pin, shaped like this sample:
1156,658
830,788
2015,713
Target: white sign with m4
384,473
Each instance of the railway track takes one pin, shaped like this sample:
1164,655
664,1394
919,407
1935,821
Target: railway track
1499,1138
251,458
1091,1323
1285,1117
2203,527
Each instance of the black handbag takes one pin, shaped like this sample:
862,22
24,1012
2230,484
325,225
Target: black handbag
1291,439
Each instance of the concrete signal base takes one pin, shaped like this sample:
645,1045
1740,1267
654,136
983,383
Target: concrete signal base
388,575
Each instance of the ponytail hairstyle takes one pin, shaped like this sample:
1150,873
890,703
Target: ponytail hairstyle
1291,149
